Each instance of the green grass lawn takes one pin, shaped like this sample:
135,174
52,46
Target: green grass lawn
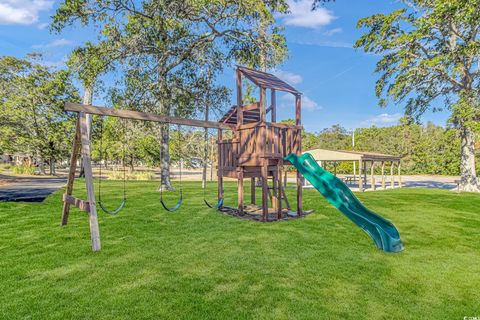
197,263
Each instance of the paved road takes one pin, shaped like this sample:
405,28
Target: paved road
417,181
31,189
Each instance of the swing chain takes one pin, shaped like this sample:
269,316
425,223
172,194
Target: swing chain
100,169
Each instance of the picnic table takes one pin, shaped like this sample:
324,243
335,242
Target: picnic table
350,179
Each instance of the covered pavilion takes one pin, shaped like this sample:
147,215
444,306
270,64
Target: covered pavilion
361,160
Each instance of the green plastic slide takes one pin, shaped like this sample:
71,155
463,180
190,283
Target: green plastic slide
382,231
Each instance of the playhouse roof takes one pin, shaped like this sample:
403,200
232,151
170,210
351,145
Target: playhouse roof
267,80
248,116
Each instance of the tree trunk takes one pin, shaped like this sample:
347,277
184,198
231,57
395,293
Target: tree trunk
468,181
132,167
41,165
165,157
52,167
87,99
164,108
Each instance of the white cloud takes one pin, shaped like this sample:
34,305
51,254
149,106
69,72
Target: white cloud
333,31
301,15
22,11
288,100
383,119
55,43
321,43
55,63
289,77
43,25
309,104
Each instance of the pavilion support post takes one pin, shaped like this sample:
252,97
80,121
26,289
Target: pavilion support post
365,173
335,168
372,173
392,177
383,175
399,175
253,199
71,174
360,179
87,166
354,170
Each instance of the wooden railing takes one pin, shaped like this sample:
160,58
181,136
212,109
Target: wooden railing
228,154
267,140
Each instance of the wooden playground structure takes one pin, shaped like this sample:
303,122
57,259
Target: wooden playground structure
256,149
258,146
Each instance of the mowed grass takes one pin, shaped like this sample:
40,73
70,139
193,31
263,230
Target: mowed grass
197,263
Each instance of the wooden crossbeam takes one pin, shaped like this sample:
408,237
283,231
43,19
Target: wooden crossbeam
137,115
79,203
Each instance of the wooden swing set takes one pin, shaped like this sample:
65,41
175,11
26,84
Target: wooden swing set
256,150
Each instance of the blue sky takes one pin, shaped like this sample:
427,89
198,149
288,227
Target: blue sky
337,81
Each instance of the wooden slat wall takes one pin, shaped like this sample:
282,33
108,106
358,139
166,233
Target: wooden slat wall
250,148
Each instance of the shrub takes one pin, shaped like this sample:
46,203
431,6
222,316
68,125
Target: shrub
23,170
4,166
137,175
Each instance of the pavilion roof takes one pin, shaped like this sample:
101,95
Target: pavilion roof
340,155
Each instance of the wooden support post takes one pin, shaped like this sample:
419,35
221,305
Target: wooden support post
87,165
270,198
360,178
399,175
298,117
372,172
219,165
279,192
392,177
273,101
253,199
383,175
284,197
71,173
274,190
264,192
239,98
263,110
240,190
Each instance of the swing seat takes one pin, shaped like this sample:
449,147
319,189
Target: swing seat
114,211
217,206
179,203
